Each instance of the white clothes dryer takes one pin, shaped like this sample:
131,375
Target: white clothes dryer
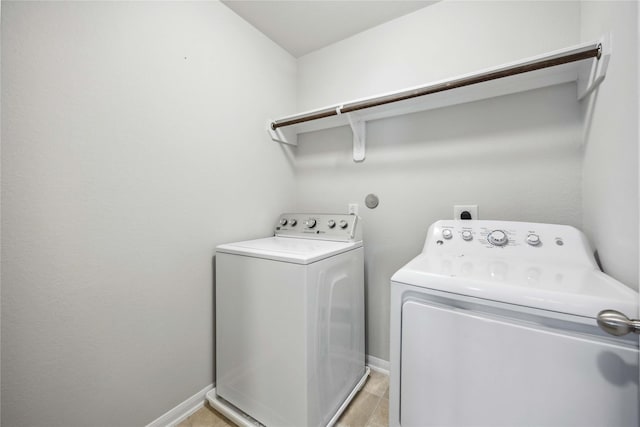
290,323
494,324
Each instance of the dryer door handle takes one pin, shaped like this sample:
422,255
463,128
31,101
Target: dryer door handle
616,323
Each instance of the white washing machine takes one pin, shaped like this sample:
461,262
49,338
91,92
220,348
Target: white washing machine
290,323
494,324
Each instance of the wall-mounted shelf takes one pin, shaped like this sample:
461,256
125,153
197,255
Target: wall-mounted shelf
585,64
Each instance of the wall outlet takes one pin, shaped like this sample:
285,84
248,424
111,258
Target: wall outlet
353,209
458,211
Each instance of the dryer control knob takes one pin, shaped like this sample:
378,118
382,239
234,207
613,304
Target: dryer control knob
466,235
292,222
343,223
533,239
447,234
310,223
331,223
283,221
498,238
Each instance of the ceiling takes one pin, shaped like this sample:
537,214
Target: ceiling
302,26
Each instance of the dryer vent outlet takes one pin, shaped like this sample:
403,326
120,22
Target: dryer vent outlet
465,212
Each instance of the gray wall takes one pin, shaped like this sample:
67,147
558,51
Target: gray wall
443,40
515,165
518,157
610,173
0,236
133,142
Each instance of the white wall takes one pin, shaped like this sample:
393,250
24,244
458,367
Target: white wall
610,172
518,157
133,142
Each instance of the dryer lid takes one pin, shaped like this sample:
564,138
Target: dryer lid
570,290
287,249
544,266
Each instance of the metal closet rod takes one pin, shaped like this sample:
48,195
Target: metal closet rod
594,52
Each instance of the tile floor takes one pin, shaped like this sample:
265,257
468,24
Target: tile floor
370,408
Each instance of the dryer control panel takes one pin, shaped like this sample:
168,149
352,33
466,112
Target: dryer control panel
336,227
508,239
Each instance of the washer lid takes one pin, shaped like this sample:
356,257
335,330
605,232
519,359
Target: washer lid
570,289
287,249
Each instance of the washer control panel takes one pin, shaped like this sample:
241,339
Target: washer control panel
337,227
506,239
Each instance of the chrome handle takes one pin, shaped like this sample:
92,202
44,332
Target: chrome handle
616,323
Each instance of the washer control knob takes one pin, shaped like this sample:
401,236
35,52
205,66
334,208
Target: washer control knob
498,238
533,239
466,235
343,223
447,234
331,223
310,223
292,222
283,221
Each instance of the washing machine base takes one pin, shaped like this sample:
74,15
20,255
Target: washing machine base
243,420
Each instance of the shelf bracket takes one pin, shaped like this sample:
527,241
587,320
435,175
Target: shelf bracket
283,135
591,78
359,128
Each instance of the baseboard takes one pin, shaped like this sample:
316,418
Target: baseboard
195,402
183,410
378,365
